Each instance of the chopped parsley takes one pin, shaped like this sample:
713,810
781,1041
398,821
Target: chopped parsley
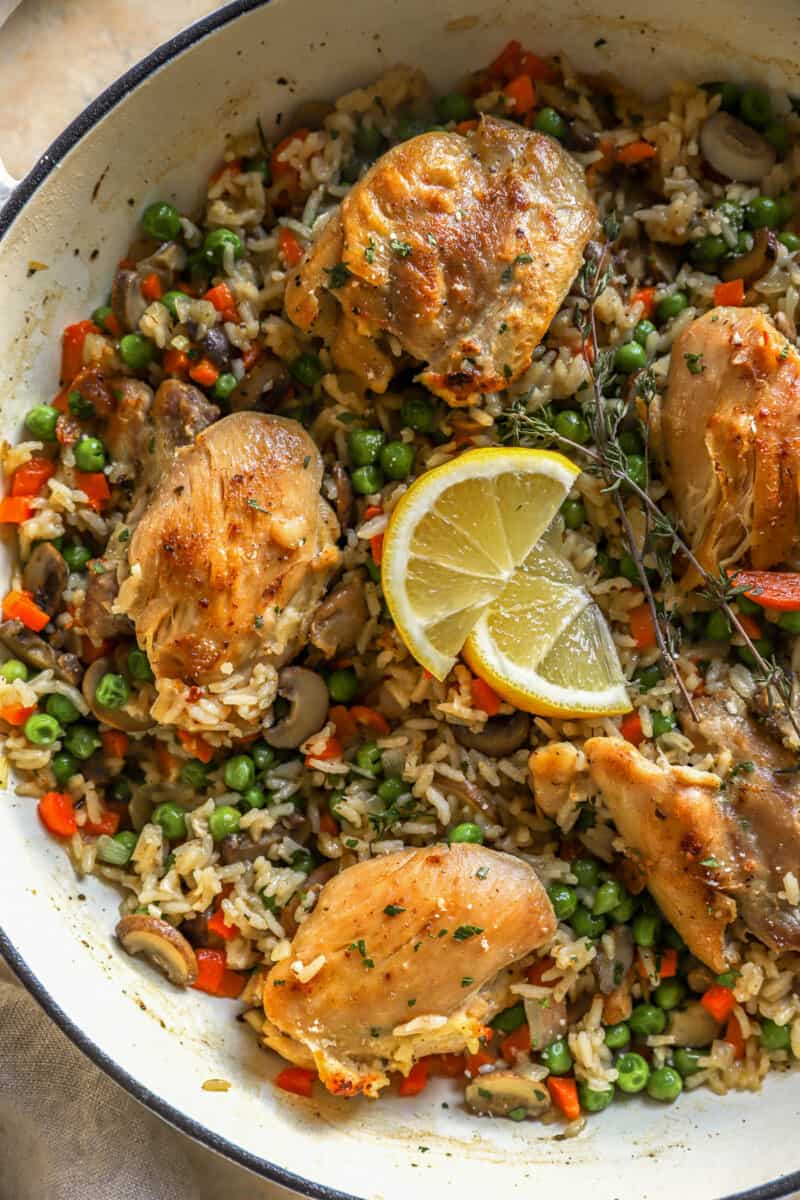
507,370
123,534
467,980
412,1001
251,503
400,249
518,1114
431,240
369,252
709,862
393,910
368,963
306,461
464,932
258,622
338,275
79,406
98,567
374,1031
481,872
695,363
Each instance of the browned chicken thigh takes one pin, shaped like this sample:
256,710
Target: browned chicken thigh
458,248
402,957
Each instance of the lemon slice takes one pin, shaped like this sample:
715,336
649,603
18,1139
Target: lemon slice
545,646
456,538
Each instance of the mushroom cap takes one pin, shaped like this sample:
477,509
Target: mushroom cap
499,1093
307,693
164,945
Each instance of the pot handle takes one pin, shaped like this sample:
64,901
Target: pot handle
7,184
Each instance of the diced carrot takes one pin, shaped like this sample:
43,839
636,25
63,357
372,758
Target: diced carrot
290,246
214,977
564,1093
521,94
327,824
20,606
283,174
16,714
770,589
518,1042
668,964
204,372
635,152
61,402
541,967
196,745
167,762
222,299
730,293
467,126
72,348
750,625
90,653
484,697
15,509
95,486
643,630
415,1080
447,1066
176,362
474,1062
57,813
536,68
151,287
108,823
111,323
376,548
631,728
297,1080
734,1036
217,924
372,510
115,743
126,264
719,1001
343,721
331,749
31,477
371,718
508,61
646,297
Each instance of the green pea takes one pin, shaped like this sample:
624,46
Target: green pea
648,677
194,774
41,730
135,351
665,1084
81,741
335,801
113,691
550,121
307,369
746,655
727,979
669,994
617,1036
646,928
586,924
343,685
303,860
607,897
162,221
637,469
407,128
586,871
90,454
364,446
468,831
120,790
574,513
62,709
624,911
13,669
40,422
63,766
641,333
510,1019
263,756
455,106
785,204
101,315
762,213
223,822
76,557
226,383
647,1019
563,899
171,299
557,1058
594,1100
632,1072
419,413
569,423
663,723
368,758
397,459
790,621
686,1060
218,240
718,626
669,306
709,249
630,357
728,93
240,772
631,442
254,797
139,666
777,135
790,240
117,850
368,140
607,566
774,1036
367,480
172,819
755,107
390,791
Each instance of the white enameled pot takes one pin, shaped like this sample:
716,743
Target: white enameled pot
157,133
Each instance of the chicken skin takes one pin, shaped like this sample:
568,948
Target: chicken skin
730,432
407,954
230,556
458,248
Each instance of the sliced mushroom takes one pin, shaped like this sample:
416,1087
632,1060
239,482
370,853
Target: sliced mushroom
611,970
46,575
340,618
261,387
158,941
474,796
100,623
117,718
240,847
344,495
216,347
503,1092
734,149
546,1021
756,261
312,887
693,1025
580,136
127,300
96,770
307,694
499,737
618,1005
38,653
195,930
167,262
